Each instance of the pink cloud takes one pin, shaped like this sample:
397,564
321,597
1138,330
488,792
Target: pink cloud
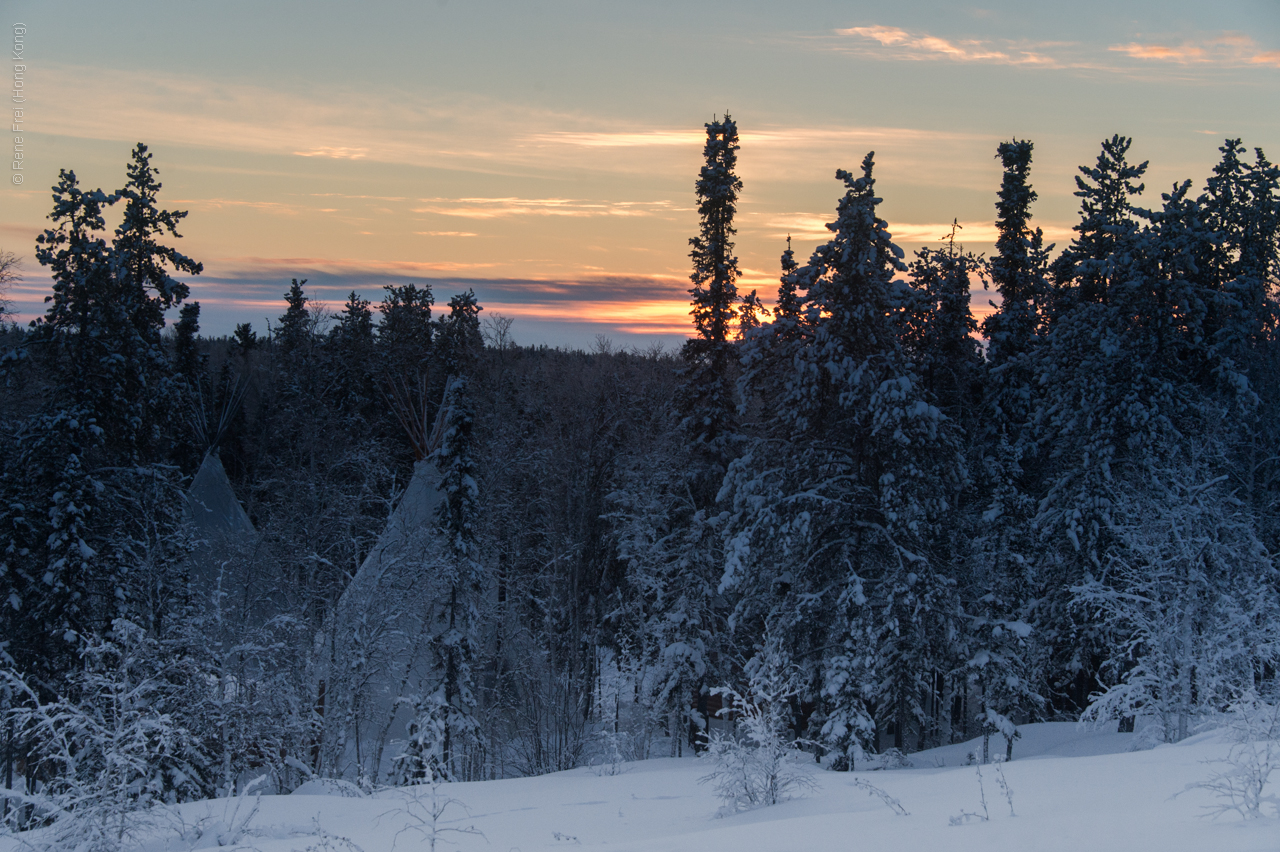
1228,49
909,45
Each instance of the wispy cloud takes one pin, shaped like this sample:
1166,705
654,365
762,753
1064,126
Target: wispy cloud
903,44
442,130
791,137
254,267
1229,49
417,128
498,208
618,139
446,233
335,153
264,206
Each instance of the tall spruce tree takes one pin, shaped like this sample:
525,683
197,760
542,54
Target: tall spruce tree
454,642
715,290
89,498
1018,267
294,330
1107,222
828,557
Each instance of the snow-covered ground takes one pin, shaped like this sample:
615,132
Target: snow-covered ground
1071,789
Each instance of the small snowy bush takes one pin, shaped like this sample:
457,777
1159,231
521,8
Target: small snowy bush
425,807
612,751
758,766
106,755
1254,755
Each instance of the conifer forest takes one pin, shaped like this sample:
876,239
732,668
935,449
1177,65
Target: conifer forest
386,543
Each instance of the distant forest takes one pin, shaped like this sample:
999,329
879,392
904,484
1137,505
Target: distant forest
908,527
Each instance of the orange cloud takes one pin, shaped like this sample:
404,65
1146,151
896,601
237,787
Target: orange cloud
335,153
1232,50
496,208
1227,49
219,203
337,266
666,316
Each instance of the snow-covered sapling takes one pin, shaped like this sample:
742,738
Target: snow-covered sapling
759,766
232,826
426,816
1254,755
109,754
1005,788
872,790
331,842
964,816
610,758
992,723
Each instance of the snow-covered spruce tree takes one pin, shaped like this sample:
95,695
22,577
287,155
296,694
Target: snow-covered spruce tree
187,360
405,374
405,332
147,290
994,663
671,550
449,709
830,527
70,536
459,341
766,354
350,350
999,583
938,329
293,332
1018,268
1241,206
1096,255
708,389
667,527
1131,384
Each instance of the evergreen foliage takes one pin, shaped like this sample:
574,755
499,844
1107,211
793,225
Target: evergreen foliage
715,286
846,515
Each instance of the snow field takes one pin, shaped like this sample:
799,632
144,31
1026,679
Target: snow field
1072,790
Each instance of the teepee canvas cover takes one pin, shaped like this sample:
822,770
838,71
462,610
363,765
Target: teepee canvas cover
378,637
215,513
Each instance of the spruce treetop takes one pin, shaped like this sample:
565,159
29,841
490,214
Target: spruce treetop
715,269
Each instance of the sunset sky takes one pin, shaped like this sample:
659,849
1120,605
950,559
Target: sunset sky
544,153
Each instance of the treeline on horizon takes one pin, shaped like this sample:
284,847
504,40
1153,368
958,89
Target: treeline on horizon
849,503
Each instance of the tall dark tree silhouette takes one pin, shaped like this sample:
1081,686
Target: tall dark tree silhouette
295,326
1018,268
1107,224
715,291
86,496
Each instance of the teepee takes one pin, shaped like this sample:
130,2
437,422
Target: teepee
378,653
216,515
222,561
224,535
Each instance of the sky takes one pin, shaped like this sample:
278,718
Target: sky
544,153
